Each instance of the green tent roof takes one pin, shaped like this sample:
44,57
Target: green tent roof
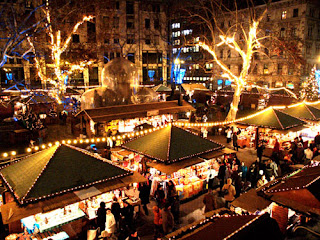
303,111
314,104
161,88
171,144
57,170
274,119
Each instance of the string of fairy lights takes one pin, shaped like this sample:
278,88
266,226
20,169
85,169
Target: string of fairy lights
127,136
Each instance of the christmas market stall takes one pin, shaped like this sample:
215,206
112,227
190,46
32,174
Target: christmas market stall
291,200
59,190
175,154
124,118
162,91
270,123
225,224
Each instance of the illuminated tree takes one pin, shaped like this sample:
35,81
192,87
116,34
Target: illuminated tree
310,87
57,45
230,31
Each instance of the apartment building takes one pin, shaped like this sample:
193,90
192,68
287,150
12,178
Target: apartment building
289,24
133,29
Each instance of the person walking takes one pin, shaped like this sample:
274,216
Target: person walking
101,216
317,140
229,134
209,201
235,141
144,196
222,173
157,220
260,149
230,192
167,219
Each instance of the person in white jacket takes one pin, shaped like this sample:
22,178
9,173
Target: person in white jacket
110,222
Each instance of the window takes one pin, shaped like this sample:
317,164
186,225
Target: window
129,7
295,12
282,32
209,66
279,70
28,3
118,54
111,56
148,40
284,15
131,57
155,8
290,70
265,69
176,42
107,40
117,5
174,51
115,22
175,25
310,30
229,53
221,53
268,32
294,32
147,23
130,25
106,57
130,38
75,38
156,24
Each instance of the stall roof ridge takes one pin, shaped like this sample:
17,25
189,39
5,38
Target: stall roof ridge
135,110
171,144
57,170
303,111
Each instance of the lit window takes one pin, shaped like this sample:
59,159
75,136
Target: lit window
284,15
174,50
175,25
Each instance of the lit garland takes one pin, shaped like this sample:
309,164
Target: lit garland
136,134
57,48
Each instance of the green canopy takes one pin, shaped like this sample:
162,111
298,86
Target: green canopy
57,170
272,118
171,144
314,104
162,88
303,111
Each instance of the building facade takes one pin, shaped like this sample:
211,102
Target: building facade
291,47
133,29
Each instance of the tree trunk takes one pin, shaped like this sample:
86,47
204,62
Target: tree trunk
232,114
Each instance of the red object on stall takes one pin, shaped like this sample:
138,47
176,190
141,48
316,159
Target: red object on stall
280,214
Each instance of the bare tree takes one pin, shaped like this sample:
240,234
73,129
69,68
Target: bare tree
16,24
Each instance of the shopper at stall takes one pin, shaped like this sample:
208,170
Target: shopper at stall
167,219
309,154
160,196
222,173
300,153
210,177
171,191
144,196
127,214
110,223
230,192
276,151
209,201
157,220
262,181
244,170
317,140
273,165
101,216
175,209
116,210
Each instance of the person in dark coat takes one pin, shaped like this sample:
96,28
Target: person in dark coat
260,149
209,201
101,216
175,209
127,214
317,140
235,141
116,210
144,196
222,174
160,196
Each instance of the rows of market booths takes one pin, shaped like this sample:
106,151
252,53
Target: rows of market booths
281,123
55,193
286,208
